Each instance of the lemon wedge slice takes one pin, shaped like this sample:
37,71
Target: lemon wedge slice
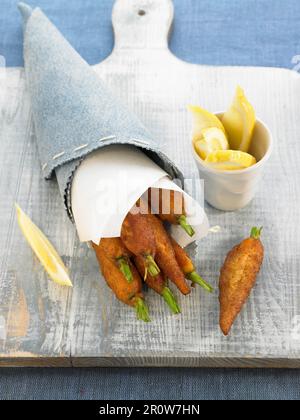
213,139
239,122
230,160
43,249
203,120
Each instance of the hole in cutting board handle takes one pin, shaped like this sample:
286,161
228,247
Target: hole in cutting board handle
141,12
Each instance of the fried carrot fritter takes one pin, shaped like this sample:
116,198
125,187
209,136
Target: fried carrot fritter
169,205
184,261
128,293
114,248
188,268
119,254
159,284
238,277
156,283
165,256
138,236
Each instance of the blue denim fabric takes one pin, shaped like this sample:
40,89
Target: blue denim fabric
240,32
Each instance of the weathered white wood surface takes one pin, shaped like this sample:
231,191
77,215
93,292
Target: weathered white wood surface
42,324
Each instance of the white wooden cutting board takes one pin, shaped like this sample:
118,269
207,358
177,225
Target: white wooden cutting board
43,324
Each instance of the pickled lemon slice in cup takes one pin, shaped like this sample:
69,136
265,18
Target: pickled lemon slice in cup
230,160
43,249
212,139
239,122
204,120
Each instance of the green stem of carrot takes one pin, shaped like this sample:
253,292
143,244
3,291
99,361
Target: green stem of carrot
171,301
142,311
125,269
195,278
256,232
184,224
152,267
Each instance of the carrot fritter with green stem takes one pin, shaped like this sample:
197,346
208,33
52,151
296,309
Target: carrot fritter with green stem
138,236
119,254
238,277
128,293
188,268
165,255
169,205
159,284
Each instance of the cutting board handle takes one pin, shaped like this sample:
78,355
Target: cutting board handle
142,24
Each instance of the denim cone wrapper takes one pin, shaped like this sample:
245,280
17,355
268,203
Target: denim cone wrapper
73,112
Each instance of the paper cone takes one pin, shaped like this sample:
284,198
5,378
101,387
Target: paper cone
74,113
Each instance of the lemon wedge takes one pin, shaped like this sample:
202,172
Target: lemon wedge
212,139
203,120
239,122
230,160
43,249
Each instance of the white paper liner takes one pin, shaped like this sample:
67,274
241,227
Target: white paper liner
107,185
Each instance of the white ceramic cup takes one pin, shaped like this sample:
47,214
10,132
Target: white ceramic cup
233,190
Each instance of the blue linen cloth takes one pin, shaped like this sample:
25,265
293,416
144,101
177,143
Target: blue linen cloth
149,384
73,112
221,32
